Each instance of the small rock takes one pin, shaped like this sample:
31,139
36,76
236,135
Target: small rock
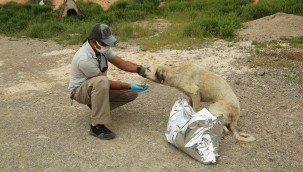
271,158
261,72
290,123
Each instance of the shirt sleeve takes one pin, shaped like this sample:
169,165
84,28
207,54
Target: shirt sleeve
89,68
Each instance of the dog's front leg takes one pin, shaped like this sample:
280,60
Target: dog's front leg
193,93
195,100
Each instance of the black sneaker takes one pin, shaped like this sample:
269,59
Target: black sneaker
101,132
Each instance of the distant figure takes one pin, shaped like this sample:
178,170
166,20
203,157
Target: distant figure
41,2
255,1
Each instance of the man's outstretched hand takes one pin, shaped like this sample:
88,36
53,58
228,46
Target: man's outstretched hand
141,70
139,88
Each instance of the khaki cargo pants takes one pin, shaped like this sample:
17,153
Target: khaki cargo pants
96,93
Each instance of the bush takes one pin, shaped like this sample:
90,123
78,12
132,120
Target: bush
194,18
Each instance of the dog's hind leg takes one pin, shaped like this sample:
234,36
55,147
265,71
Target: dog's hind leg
218,109
230,120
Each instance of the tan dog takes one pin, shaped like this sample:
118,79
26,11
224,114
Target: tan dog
201,85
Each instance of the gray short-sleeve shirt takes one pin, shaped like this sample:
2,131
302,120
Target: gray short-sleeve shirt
85,65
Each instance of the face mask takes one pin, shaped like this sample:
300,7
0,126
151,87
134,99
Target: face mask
103,49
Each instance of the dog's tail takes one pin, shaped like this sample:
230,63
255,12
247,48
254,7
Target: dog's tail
241,136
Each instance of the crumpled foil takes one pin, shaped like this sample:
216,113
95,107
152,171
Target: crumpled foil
196,133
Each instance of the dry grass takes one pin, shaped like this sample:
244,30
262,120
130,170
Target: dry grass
280,59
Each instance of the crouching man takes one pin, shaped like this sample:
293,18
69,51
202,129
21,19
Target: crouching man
89,84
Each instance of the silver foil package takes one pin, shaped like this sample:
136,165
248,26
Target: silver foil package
196,133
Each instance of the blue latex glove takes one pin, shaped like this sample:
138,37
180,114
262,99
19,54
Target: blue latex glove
139,88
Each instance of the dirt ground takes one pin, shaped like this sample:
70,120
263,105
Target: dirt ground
41,131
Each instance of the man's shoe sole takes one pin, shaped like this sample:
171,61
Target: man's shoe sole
102,136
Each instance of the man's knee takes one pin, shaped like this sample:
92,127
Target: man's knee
125,95
129,95
100,81
132,95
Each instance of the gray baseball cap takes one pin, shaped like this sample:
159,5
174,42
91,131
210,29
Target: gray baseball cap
101,32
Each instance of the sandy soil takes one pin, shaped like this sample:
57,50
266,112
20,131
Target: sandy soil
41,131
273,27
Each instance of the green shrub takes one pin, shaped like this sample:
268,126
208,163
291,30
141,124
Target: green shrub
126,31
195,19
222,27
133,10
14,26
36,31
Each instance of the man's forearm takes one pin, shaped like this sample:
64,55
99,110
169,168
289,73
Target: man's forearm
123,64
130,67
118,85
